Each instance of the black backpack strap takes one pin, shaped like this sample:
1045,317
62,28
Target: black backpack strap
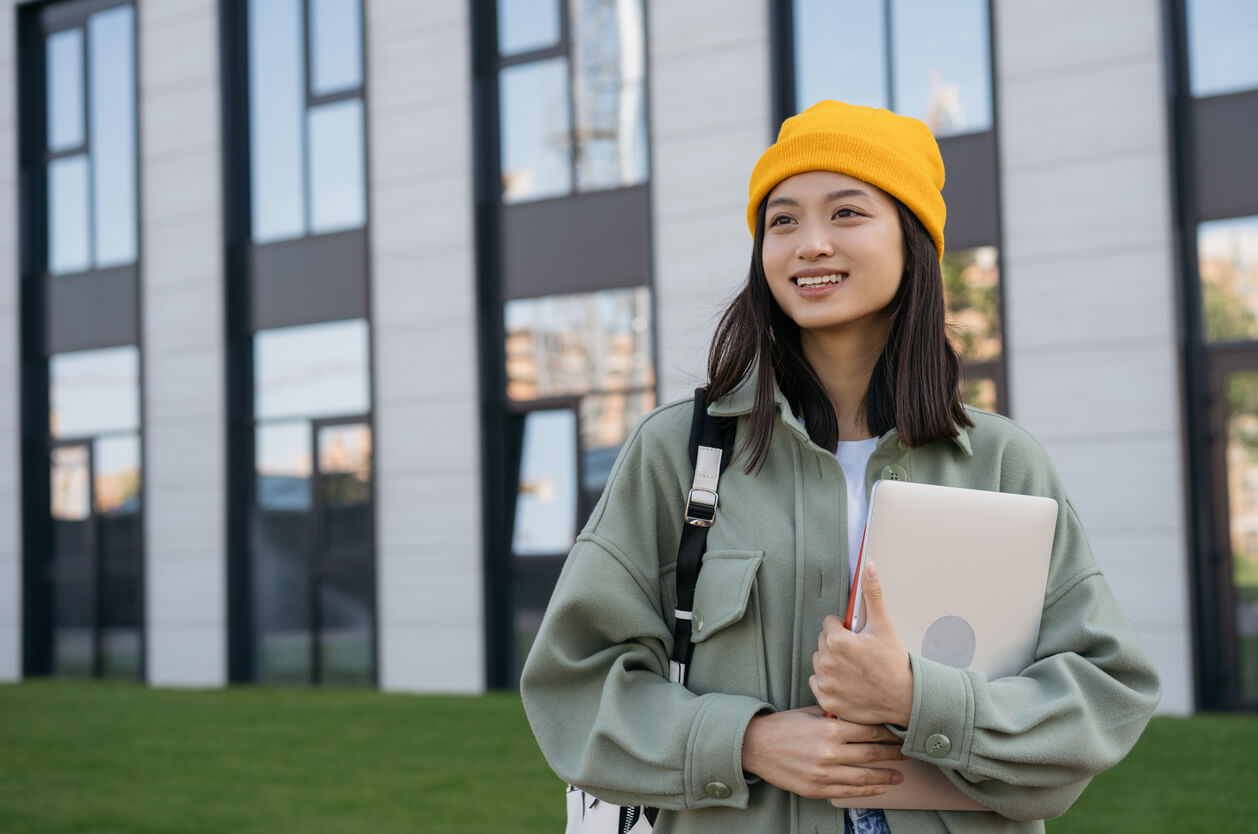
711,449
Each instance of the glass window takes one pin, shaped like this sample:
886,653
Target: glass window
337,177
312,370
1221,53
336,46
972,296
525,25
546,500
281,552
65,90
112,83
580,343
1242,487
577,121
939,51
69,246
116,483
1227,255
71,497
277,105
857,73
536,132
942,64
608,69
94,391
345,592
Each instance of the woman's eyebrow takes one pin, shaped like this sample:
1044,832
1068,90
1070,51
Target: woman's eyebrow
830,198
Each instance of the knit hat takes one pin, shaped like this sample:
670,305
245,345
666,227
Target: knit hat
895,153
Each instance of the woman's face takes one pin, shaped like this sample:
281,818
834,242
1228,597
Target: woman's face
833,253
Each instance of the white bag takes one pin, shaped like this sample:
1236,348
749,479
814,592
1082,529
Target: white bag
587,814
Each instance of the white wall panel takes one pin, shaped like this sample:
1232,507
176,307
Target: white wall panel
1089,287
183,384
424,321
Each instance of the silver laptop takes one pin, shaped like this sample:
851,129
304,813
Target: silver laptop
963,572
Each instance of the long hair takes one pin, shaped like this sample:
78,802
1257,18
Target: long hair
914,383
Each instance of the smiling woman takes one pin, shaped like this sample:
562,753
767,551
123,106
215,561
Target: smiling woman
834,361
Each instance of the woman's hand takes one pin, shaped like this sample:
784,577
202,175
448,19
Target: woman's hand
864,677
808,753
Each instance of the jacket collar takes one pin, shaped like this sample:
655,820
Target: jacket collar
740,401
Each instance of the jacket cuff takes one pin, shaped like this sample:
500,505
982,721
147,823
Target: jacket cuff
941,728
714,760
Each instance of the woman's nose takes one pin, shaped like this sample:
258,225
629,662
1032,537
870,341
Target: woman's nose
815,245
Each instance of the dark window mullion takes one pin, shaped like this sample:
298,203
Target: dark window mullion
313,101
559,50
87,147
307,218
889,36
565,40
315,562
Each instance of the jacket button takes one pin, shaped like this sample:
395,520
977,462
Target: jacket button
697,620
717,790
938,745
894,472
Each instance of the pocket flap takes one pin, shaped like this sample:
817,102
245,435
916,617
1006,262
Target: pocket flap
723,589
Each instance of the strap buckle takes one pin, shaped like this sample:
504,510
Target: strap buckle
701,512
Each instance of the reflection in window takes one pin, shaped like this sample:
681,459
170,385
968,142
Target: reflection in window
580,343
1227,258
312,370
307,171
336,46
112,85
276,110
525,25
69,249
65,90
606,421
92,193
337,179
1242,478
1221,38
94,391
281,552
548,147
71,476
608,65
546,500
980,393
972,295
536,132
940,57
857,73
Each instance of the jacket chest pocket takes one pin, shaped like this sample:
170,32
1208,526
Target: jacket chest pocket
727,629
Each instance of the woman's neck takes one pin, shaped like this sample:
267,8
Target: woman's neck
844,362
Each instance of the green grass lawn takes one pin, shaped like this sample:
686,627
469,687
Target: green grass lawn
108,757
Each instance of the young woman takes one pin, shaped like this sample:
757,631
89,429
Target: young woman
835,362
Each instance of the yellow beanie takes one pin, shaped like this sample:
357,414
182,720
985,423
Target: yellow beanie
895,153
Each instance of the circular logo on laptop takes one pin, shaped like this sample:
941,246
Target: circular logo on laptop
949,640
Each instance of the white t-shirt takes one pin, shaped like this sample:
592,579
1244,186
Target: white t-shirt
853,456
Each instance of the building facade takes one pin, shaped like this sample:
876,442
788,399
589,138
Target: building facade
322,321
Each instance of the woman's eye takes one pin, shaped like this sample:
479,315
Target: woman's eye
845,213
780,220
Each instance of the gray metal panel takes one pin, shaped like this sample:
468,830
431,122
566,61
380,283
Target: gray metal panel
970,190
312,279
580,243
90,310
1224,132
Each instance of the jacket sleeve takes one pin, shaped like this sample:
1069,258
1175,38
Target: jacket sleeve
1026,746
595,685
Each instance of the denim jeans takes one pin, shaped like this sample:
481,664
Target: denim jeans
868,821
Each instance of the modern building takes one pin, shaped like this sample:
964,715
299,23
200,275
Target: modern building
322,321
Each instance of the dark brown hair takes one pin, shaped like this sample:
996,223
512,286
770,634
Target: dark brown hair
914,383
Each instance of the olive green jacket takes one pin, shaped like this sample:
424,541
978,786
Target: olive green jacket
607,719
